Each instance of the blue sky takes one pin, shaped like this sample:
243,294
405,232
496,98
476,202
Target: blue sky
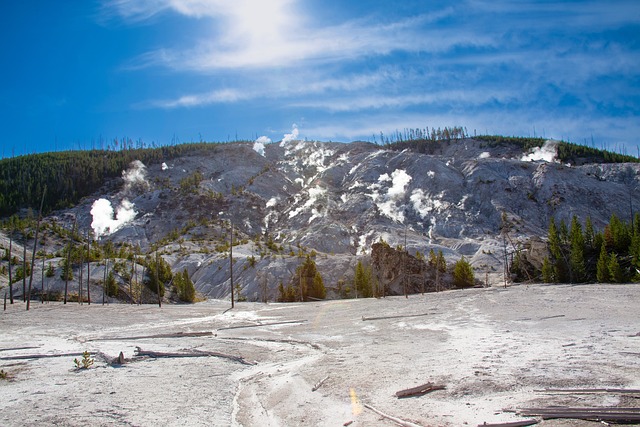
75,72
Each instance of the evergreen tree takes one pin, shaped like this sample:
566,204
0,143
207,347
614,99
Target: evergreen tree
615,271
309,280
576,258
463,274
111,286
602,267
547,271
362,280
163,276
184,286
441,263
589,234
558,261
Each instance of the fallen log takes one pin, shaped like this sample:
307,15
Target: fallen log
319,383
607,414
19,348
420,390
364,319
262,324
192,353
589,391
523,423
40,356
169,335
396,420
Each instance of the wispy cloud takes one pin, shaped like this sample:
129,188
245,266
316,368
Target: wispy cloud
568,67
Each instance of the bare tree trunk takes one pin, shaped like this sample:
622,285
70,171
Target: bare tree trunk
231,265
158,282
24,270
88,267
35,244
42,282
104,281
10,258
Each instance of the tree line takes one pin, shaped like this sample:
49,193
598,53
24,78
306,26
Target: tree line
577,253
71,175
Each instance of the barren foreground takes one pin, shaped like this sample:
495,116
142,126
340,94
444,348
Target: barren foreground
493,349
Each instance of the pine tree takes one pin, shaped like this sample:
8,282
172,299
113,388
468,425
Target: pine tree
441,263
615,271
362,280
111,285
602,267
557,254
576,258
463,274
589,234
185,287
547,271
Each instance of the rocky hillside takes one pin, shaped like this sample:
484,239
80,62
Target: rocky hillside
334,201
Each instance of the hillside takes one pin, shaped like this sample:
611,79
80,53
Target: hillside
333,201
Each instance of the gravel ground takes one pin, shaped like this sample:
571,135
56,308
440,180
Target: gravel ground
493,349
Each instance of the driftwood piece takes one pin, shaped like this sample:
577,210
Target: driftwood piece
607,414
192,353
169,335
523,423
257,325
589,391
18,348
420,390
40,356
401,316
552,317
284,341
396,420
319,383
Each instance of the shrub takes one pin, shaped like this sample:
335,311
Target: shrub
463,274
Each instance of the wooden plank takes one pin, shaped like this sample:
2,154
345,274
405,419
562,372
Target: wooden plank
319,383
364,319
40,356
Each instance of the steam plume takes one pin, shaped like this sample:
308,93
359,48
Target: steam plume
259,144
548,152
104,222
135,176
288,137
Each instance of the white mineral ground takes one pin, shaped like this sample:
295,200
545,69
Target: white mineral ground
492,348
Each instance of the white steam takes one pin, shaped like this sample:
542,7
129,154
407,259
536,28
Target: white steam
288,137
135,176
104,222
259,144
164,166
547,153
388,202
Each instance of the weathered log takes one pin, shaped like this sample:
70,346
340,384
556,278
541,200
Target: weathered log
168,335
523,423
262,324
40,356
607,414
19,348
319,383
420,390
396,420
364,319
192,353
589,390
